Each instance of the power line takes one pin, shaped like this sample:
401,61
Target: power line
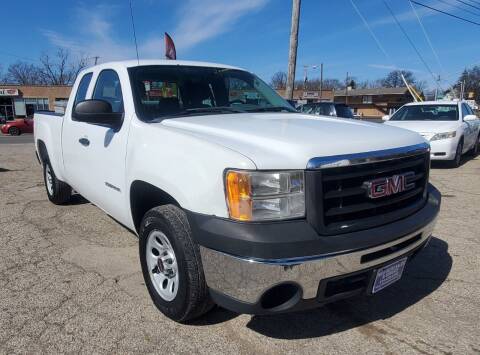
446,13
427,37
411,43
475,2
466,3
460,8
375,38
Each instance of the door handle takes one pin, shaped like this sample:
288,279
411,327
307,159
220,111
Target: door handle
84,141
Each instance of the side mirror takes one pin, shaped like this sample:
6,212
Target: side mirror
386,118
97,112
470,118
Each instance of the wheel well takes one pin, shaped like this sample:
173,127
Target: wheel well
42,151
145,196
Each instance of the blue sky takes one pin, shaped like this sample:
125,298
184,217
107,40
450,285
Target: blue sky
252,34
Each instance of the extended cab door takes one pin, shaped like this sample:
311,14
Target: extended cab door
94,154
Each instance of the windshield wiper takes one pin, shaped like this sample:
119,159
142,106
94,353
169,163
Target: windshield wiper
271,109
198,111
219,109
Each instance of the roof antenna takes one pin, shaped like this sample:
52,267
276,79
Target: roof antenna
134,33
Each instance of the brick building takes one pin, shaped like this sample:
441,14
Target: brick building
374,103
18,101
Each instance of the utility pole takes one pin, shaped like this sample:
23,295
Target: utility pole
346,90
321,81
292,55
96,59
436,88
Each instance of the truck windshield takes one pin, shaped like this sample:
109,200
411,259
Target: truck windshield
164,91
426,113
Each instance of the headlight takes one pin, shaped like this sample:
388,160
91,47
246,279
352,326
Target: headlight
444,135
260,196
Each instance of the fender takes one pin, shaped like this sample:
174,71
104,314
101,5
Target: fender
43,133
184,166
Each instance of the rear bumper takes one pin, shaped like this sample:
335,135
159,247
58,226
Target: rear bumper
241,282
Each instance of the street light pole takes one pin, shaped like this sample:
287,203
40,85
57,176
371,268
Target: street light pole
292,55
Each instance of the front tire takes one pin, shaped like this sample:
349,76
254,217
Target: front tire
476,148
171,264
14,131
455,163
58,192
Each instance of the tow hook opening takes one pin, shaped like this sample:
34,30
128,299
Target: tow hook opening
281,297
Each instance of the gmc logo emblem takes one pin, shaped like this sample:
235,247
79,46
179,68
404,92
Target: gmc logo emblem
389,185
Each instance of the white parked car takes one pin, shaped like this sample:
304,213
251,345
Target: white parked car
238,199
451,127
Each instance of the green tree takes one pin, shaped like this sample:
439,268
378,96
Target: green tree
471,78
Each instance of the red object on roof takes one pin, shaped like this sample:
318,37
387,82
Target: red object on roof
170,52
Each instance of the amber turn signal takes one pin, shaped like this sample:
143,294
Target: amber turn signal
239,195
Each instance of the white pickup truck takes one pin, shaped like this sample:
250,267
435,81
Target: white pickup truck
237,199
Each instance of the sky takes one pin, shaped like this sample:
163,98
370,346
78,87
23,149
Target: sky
252,34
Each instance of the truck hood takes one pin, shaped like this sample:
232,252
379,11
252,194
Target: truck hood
290,140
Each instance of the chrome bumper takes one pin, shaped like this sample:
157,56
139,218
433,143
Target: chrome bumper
246,280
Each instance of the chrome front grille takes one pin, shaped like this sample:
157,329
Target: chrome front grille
338,202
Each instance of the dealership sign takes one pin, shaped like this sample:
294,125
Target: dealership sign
311,95
8,92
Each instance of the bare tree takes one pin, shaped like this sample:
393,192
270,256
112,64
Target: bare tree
57,70
314,84
279,80
333,84
60,70
22,73
394,78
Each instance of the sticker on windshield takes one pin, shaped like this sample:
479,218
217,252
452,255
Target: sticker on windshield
251,95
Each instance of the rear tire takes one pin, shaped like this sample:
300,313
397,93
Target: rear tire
455,163
171,264
14,131
58,192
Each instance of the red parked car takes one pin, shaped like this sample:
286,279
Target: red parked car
18,126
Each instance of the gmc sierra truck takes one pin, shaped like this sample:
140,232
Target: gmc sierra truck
237,199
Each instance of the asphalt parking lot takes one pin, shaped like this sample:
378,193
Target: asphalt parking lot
70,281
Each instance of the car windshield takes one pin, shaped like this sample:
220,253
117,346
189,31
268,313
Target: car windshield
324,109
165,91
344,111
426,113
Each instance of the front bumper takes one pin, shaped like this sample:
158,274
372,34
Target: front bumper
239,282
443,149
